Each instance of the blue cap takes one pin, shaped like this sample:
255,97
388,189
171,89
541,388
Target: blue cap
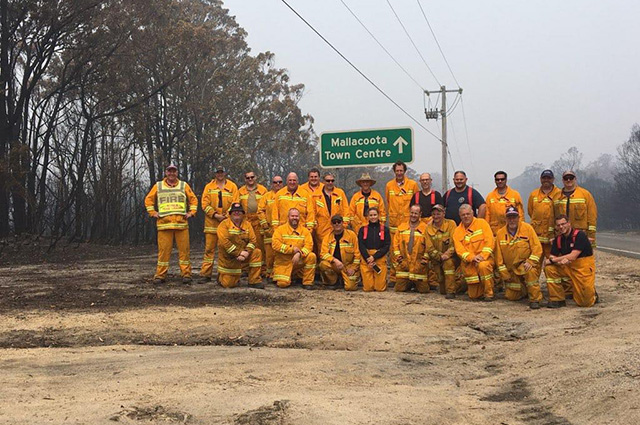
512,211
547,173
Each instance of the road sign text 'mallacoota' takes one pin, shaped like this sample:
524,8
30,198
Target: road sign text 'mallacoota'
356,148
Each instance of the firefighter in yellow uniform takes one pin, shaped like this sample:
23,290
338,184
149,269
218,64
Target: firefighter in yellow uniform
314,186
250,195
340,256
578,204
474,242
294,196
333,202
265,214
541,210
443,260
411,249
518,259
361,201
237,248
399,192
217,197
293,250
572,258
176,203
499,200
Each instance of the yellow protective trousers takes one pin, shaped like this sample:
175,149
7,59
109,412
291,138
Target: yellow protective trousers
372,281
329,275
581,273
443,276
520,286
210,244
283,269
479,278
268,256
165,245
230,269
411,270
254,220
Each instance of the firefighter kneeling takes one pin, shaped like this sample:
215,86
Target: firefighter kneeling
292,246
411,248
518,253
443,259
237,249
340,255
571,257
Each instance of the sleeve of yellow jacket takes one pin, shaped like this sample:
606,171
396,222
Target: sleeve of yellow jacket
225,242
205,202
395,245
530,205
308,244
592,218
536,246
520,206
310,222
383,211
277,242
193,199
489,240
325,253
502,268
253,240
150,199
262,209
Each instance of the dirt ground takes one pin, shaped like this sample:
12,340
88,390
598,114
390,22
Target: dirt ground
87,339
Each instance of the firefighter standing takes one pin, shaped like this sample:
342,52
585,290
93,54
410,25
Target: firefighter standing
374,241
265,214
176,203
578,204
340,256
473,241
461,194
333,201
293,249
571,257
499,200
250,195
541,210
443,259
237,249
362,201
294,196
411,249
518,259
426,197
217,197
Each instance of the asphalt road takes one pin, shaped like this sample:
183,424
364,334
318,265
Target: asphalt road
625,244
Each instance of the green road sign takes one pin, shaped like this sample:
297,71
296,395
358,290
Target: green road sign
357,148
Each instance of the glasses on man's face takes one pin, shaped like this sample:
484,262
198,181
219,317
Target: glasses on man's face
568,178
329,180
336,222
500,180
425,180
250,177
277,182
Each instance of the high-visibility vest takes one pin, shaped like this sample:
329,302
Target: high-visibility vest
171,200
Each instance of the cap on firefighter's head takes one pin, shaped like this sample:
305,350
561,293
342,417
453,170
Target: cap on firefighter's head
438,207
171,167
568,173
547,173
219,169
512,211
336,218
236,206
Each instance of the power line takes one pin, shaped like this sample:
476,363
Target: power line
437,43
380,44
455,138
412,42
360,72
466,132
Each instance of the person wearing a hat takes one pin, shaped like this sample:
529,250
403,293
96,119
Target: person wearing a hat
293,248
362,200
410,253
237,249
519,259
443,256
499,200
172,202
474,243
340,256
217,197
578,204
541,210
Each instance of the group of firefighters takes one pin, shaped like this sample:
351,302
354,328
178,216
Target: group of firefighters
454,242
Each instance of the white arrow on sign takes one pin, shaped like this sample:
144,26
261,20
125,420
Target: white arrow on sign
400,143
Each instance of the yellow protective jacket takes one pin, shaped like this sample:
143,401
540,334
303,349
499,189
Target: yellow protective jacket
441,238
583,212
356,209
232,239
348,249
210,202
174,221
285,238
339,205
265,213
513,251
399,200
541,210
300,199
244,200
473,240
497,207
422,246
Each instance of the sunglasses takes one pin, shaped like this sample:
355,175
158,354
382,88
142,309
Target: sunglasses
336,221
277,182
568,177
500,180
329,180
250,177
